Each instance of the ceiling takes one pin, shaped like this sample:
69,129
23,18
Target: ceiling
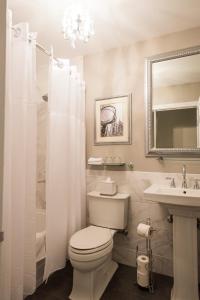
117,22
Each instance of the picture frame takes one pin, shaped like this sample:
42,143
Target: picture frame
113,120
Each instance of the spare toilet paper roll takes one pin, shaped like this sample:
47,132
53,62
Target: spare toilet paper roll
144,230
143,279
143,270
143,263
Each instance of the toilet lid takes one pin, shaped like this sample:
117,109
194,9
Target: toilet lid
90,237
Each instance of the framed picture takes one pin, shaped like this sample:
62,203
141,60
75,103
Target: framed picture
113,120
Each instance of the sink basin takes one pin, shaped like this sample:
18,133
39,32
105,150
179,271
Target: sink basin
184,205
173,196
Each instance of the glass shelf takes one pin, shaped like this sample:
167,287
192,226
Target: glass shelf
108,164
114,164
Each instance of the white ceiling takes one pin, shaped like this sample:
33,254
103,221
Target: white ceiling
117,22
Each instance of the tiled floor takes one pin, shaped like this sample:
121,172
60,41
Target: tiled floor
121,287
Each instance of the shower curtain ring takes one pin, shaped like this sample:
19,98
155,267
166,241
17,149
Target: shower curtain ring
17,31
60,64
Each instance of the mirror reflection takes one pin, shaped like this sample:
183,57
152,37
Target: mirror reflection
175,102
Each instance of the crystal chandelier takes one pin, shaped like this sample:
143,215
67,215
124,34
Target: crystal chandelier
77,25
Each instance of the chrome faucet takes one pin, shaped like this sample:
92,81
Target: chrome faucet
184,181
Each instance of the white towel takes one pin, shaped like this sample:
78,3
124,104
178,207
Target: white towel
95,161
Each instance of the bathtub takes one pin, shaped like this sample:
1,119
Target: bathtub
40,234
40,245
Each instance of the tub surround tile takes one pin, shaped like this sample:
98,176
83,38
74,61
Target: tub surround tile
40,196
41,154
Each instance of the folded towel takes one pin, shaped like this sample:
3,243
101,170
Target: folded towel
95,161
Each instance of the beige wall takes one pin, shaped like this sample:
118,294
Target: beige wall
120,71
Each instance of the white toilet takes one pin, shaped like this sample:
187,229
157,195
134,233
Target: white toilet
90,249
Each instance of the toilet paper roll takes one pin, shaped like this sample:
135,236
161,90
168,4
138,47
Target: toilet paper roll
143,263
143,279
143,270
144,230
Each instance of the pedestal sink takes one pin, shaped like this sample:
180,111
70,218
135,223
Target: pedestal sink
184,205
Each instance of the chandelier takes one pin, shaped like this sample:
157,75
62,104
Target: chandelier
77,25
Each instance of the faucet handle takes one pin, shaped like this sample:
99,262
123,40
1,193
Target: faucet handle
172,183
196,184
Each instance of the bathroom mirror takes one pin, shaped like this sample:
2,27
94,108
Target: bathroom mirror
173,103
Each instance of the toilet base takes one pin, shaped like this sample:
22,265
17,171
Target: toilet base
91,285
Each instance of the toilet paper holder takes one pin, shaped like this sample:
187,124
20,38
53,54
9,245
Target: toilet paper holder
149,255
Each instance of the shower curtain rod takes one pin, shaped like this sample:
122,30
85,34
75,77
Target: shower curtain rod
45,51
40,47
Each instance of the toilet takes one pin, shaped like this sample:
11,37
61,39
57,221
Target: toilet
90,249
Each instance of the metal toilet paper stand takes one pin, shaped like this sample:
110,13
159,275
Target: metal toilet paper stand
150,256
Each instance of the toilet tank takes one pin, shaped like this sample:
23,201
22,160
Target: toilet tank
108,211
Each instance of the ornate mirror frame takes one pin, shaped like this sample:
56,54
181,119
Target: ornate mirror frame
149,150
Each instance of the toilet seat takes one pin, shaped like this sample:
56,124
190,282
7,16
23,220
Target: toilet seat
87,257
89,251
91,237
90,243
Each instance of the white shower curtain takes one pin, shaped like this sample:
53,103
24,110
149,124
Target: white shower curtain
19,196
65,174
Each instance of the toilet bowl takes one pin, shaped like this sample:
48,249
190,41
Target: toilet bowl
90,252
90,249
